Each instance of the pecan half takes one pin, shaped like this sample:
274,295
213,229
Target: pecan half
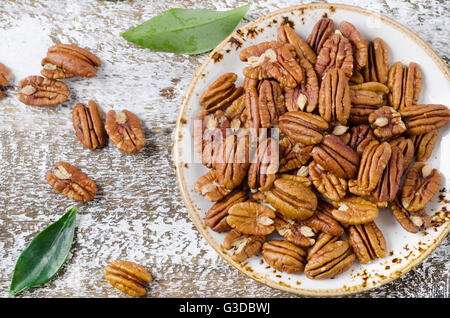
335,53
303,127
270,104
334,97
386,123
128,277
331,186
323,240
284,256
373,161
292,199
125,131
71,182
355,189
405,84
412,222
221,93
292,155
361,136
359,114
366,96
421,183
406,145
336,157
245,246
5,76
424,145
377,68
88,125
359,46
40,91
367,242
295,231
66,60
389,183
287,34
421,119
264,166
330,261
323,220
216,217
322,30
232,161
208,187
237,110
355,210
272,59
251,218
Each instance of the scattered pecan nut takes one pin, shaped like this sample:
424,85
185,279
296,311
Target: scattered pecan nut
71,182
420,119
405,84
421,183
303,127
412,222
128,277
355,210
284,256
292,199
293,155
336,52
251,218
125,131
424,145
245,246
88,125
389,183
264,166
66,60
221,94
208,187
296,232
386,123
367,242
40,91
216,216
334,97
330,185
331,260
322,30
377,68
359,46
374,159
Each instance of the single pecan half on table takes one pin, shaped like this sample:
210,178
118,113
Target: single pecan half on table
71,182
367,242
5,76
386,123
303,127
125,131
412,222
245,246
330,261
336,52
221,93
88,125
424,145
40,91
66,60
359,45
251,218
208,187
296,232
216,216
128,277
405,84
284,256
377,68
322,30
420,119
373,162
355,210
264,166
421,183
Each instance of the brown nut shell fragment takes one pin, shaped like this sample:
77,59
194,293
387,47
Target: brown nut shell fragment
406,145
322,30
421,119
284,256
71,182
386,123
216,216
264,166
66,60
334,97
331,186
295,232
245,246
412,222
367,242
208,187
221,93
389,183
358,44
377,68
88,125
335,53
424,145
125,131
303,127
373,161
405,84
355,210
292,155
421,183
128,277
292,199
330,261
40,91
251,218
336,157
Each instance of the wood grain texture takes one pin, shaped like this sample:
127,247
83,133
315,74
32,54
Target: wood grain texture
138,214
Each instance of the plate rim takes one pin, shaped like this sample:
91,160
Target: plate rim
195,217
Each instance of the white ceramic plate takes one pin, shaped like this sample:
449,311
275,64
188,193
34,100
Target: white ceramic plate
405,250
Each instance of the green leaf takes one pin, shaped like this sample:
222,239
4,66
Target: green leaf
45,255
187,31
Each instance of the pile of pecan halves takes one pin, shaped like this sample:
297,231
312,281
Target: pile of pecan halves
352,139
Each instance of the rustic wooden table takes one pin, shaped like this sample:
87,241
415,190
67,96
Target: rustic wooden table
138,214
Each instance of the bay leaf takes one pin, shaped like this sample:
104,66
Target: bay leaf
186,31
45,255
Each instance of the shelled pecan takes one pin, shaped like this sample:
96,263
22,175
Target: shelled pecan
216,216
221,94
373,162
208,187
125,131
424,145
128,277
361,136
323,29
406,145
359,114
264,166
405,84
245,246
284,256
88,125
367,242
412,222
389,183
40,91
322,241
420,119
287,34
355,210
323,220
5,76
251,218
296,232
377,67
293,155
336,52
303,127
331,186
386,123
359,46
